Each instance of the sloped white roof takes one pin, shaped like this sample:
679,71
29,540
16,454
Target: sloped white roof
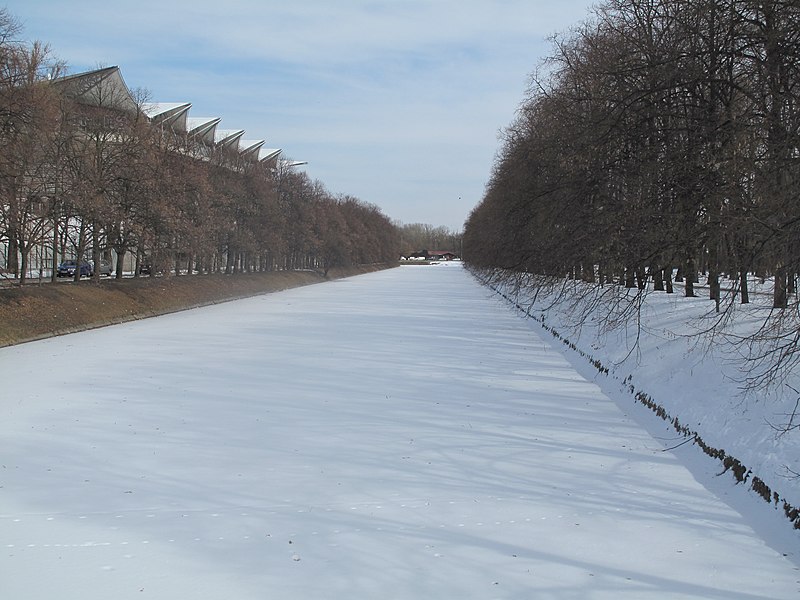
101,87
203,127
249,148
265,154
227,137
173,114
105,87
250,145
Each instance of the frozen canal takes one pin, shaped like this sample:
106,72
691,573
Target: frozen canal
396,435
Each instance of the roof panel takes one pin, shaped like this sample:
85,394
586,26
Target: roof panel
227,137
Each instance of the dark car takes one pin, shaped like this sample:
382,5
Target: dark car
145,267
68,267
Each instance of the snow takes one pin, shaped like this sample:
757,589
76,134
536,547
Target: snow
695,376
401,434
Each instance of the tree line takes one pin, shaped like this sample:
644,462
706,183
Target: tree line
419,237
100,180
659,141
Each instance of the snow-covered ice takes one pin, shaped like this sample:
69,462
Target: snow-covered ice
401,434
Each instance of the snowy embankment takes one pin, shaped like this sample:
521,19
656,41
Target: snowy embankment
666,357
402,434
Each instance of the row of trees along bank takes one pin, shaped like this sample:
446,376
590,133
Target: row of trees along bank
99,180
416,237
660,137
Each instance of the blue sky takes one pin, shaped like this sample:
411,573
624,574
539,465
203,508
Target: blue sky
396,102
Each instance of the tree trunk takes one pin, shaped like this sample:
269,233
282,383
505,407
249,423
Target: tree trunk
658,279
780,298
690,275
23,269
80,250
641,279
118,268
713,285
743,286
229,261
54,261
137,264
630,278
12,258
96,253
713,272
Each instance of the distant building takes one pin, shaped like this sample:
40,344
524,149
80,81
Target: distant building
442,255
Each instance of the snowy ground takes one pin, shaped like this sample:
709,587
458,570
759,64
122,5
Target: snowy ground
697,377
402,434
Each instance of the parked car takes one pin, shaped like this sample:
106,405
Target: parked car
145,267
68,267
105,268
